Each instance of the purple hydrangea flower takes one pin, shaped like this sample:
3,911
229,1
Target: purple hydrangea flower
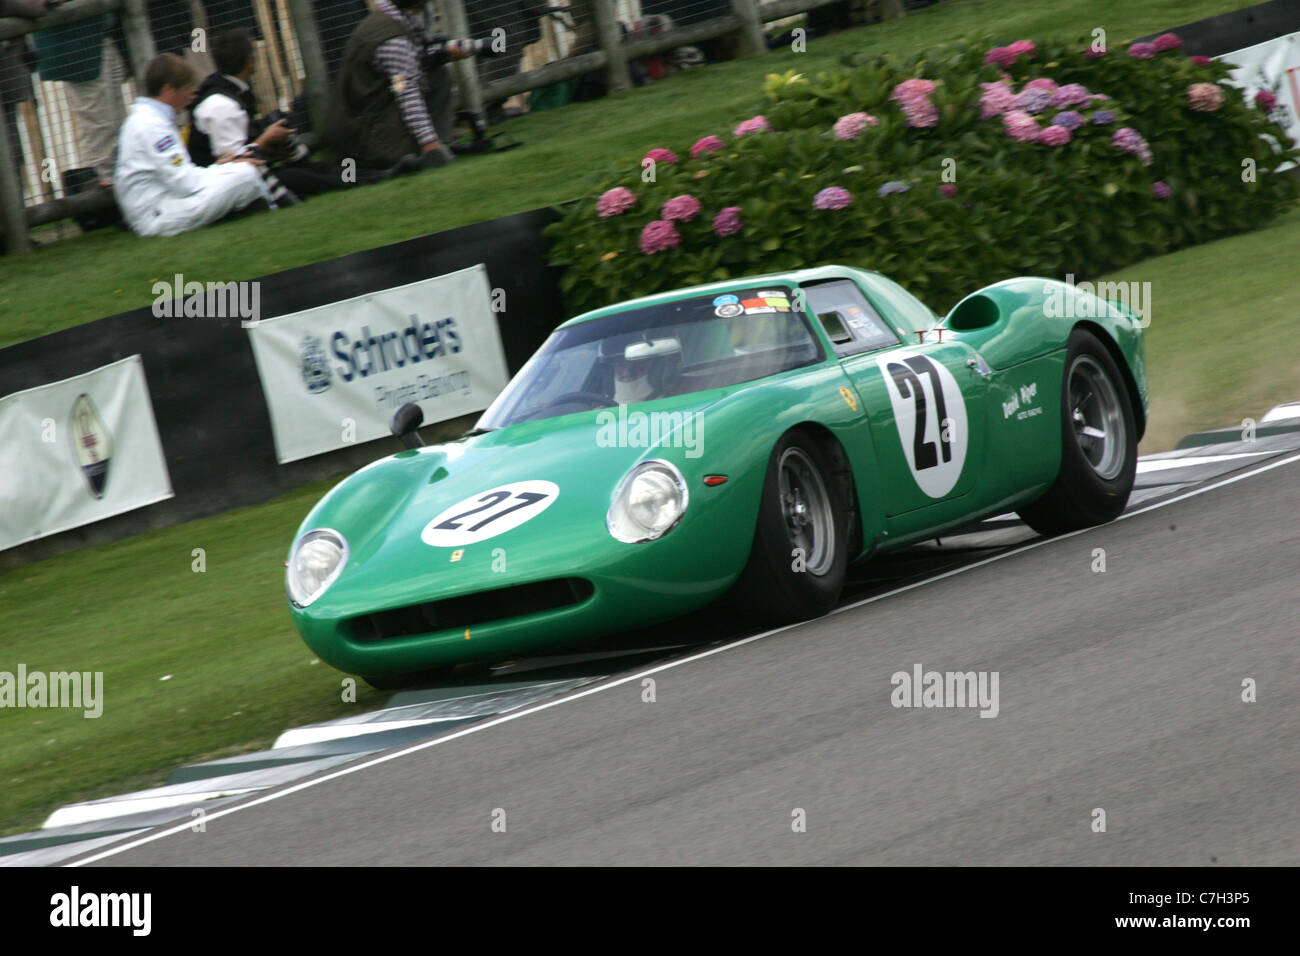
1071,94
1103,118
1160,190
1034,101
1068,119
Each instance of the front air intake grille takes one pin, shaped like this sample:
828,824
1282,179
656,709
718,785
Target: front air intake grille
471,610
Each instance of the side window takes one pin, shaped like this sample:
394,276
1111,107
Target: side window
849,320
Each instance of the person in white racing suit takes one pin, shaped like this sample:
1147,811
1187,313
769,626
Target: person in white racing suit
158,188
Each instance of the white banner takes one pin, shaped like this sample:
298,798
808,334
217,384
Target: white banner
78,451
334,375
1273,65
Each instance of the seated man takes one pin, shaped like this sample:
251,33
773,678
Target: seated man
224,125
387,101
158,188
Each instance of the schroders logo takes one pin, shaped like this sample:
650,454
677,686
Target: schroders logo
370,354
315,364
91,445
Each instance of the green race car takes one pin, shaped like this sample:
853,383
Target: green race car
746,439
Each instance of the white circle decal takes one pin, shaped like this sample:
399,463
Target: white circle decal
930,414
489,513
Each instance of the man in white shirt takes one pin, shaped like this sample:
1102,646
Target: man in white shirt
158,188
223,110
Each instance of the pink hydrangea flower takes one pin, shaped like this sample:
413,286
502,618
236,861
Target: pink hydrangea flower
1054,136
1200,60
615,202
948,189
1160,190
658,236
681,208
1095,53
706,145
1265,100
910,89
1022,48
1142,51
851,125
998,98
727,221
665,156
913,98
1204,97
1020,126
1042,83
1167,41
832,197
757,124
1001,56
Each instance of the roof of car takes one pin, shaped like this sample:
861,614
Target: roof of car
796,276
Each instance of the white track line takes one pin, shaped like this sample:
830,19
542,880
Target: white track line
617,682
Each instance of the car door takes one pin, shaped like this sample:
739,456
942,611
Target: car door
925,401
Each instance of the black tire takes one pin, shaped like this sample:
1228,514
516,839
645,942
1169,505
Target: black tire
1096,473
772,590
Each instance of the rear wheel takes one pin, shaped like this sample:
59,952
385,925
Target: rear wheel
1098,444
801,543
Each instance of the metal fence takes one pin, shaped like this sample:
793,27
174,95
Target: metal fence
67,74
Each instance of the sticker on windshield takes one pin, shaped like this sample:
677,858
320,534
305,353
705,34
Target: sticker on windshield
930,415
729,310
490,513
725,300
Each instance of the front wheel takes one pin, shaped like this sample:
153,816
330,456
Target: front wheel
1098,444
800,551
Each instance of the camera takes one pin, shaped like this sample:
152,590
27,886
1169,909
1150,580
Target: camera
439,48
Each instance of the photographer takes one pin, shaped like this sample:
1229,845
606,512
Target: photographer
393,93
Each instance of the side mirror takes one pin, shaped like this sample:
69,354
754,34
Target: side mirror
406,422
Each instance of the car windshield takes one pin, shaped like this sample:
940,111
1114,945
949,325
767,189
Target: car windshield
659,351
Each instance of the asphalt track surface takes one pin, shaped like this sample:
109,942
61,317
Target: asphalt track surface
1119,690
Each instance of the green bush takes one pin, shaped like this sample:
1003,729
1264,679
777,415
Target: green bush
969,204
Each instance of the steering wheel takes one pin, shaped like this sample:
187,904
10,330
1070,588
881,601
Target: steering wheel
591,398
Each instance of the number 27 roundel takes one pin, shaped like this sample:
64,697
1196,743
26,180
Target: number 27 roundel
489,513
930,415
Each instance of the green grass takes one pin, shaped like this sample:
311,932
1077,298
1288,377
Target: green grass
239,674
103,273
196,665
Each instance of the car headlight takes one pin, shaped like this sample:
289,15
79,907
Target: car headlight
316,560
648,503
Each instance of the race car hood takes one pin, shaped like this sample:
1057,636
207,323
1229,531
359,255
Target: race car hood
576,461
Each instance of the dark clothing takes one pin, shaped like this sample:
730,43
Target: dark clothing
363,121
200,145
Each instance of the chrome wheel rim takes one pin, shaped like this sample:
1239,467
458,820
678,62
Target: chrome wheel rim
806,509
1097,417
